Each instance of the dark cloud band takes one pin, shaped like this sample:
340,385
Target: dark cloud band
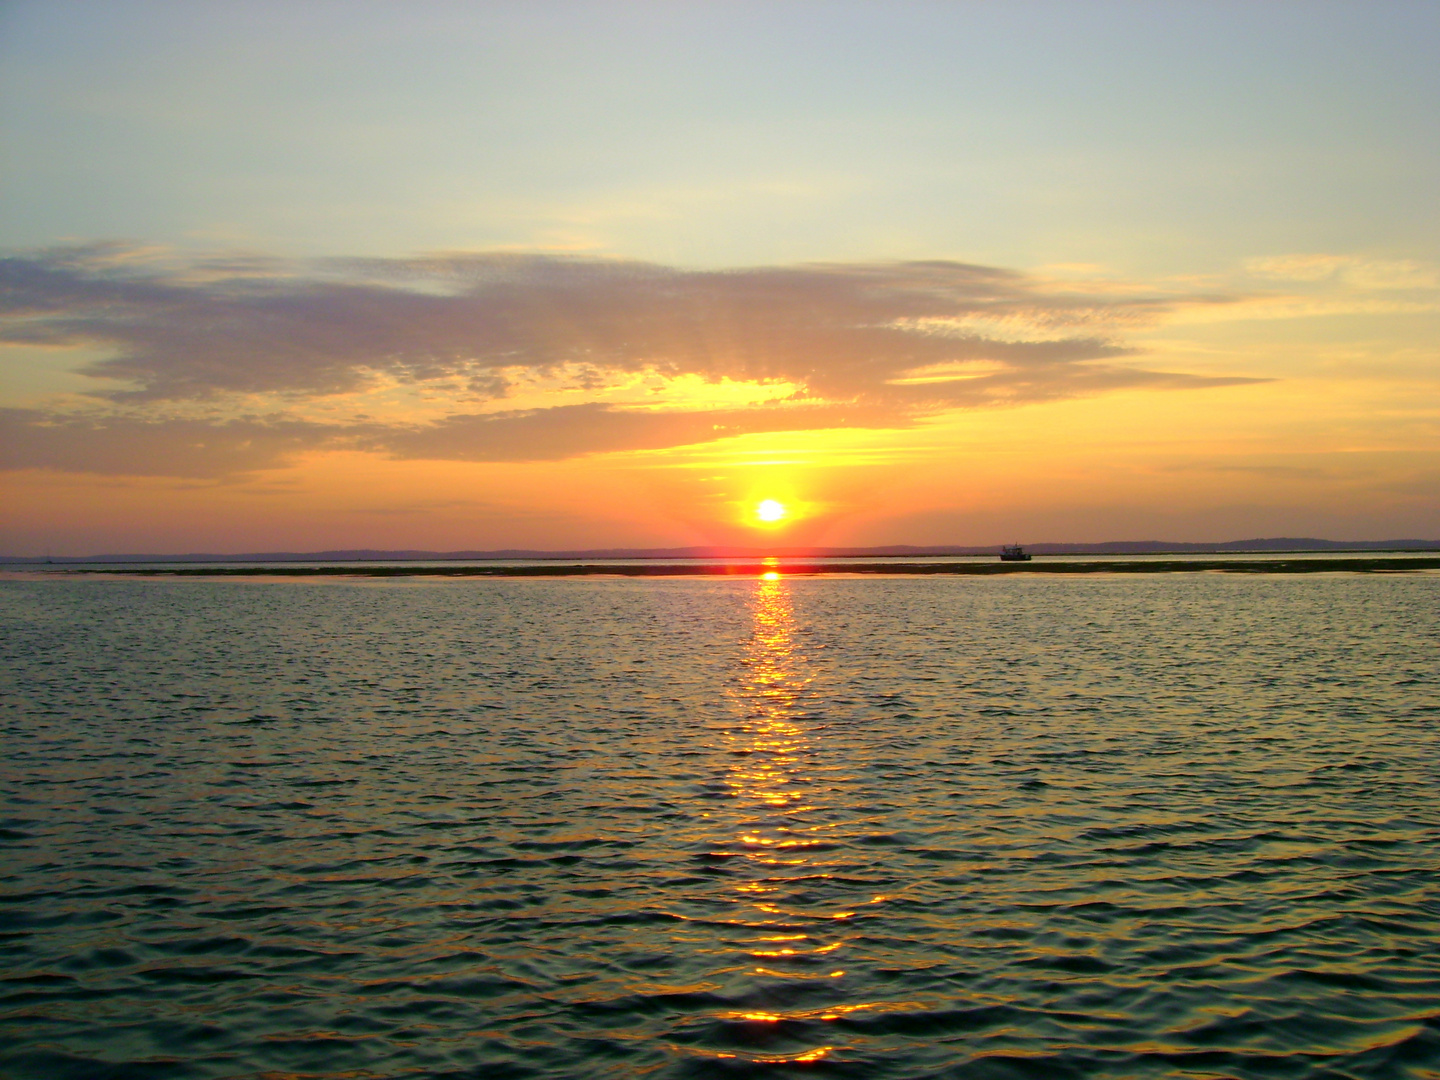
860,343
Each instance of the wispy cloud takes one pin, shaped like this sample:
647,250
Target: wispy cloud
1353,270
857,345
166,446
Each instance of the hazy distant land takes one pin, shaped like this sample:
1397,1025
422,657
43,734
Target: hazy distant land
1281,544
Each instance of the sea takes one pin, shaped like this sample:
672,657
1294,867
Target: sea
1030,827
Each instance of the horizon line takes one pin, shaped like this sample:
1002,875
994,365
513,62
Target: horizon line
1117,547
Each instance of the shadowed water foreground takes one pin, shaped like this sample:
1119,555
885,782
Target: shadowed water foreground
895,827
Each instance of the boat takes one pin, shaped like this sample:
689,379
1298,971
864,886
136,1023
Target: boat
1014,553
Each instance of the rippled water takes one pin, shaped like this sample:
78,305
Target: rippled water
1112,827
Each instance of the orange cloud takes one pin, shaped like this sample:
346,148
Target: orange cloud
214,362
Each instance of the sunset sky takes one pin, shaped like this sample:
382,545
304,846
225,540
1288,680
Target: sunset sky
294,276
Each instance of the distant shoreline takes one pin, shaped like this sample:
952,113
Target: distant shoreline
1273,545
754,569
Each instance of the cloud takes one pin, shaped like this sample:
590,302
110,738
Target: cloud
1284,472
1357,271
130,446
570,430
858,345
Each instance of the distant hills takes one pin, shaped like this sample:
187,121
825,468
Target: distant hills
1111,547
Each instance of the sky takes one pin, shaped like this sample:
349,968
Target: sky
442,276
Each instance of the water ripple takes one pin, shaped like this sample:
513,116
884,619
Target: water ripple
885,828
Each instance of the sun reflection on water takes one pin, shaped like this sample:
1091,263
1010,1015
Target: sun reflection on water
770,693
778,833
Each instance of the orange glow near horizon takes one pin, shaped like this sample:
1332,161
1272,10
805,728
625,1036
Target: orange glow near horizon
1081,469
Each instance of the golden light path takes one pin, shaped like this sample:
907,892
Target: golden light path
775,680
770,775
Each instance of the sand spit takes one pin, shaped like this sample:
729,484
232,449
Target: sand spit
751,569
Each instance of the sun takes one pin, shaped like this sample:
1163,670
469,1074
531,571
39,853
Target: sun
770,510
